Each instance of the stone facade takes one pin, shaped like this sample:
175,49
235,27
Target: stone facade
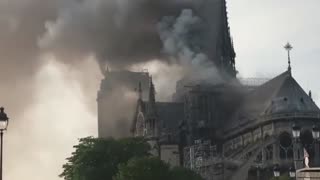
250,128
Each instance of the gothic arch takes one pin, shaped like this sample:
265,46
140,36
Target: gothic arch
269,152
286,146
140,125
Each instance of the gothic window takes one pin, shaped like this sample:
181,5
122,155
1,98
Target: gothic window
259,158
286,147
269,152
140,125
153,124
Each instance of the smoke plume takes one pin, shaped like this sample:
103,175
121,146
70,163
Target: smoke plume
183,41
122,33
76,38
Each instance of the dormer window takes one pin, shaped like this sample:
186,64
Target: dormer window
302,100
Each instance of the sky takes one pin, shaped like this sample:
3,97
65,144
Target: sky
62,111
260,30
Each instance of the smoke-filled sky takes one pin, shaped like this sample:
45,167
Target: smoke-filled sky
51,53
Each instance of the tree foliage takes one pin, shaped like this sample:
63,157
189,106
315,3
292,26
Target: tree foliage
98,159
152,168
149,168
179,173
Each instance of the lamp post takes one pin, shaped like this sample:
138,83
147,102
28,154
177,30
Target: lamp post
292,173
296,130
316,137
276,171
3,126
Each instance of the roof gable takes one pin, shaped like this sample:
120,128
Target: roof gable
289,98
258,100
282,94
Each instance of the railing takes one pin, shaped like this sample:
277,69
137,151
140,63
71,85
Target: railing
308,174
291,115
253,81
263,119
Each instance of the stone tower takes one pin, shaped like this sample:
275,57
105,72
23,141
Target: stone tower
220,48
117,100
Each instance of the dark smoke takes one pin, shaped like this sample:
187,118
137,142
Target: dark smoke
120,33
117,33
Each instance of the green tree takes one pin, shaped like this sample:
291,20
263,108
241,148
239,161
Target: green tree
179,173
152,168
98,159
147,168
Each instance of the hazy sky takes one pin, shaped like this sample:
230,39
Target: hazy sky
60,112
261,29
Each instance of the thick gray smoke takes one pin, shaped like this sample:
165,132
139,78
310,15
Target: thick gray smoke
183,41
122,33
118,32
38,34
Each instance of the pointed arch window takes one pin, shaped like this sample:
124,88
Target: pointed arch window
286,146
140,125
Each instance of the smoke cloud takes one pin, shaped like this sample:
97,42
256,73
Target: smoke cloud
118,32
78,37
122,33
183,41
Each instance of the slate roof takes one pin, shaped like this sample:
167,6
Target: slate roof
280,95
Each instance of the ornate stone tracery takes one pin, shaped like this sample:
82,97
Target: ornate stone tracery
286,146
140,125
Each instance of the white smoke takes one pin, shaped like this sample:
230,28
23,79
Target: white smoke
181,39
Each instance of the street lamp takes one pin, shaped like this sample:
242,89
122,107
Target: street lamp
296,130
316,132
276,171
316,137
3,126
292,172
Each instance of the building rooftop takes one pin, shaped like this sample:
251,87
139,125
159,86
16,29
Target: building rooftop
280,95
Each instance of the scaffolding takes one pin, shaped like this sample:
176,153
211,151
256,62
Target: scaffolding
202,157
253,82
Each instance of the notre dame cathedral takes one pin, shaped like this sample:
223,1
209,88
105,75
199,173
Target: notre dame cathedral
227,130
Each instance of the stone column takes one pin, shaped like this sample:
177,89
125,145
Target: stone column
317,153
276,153
263,153
297,154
